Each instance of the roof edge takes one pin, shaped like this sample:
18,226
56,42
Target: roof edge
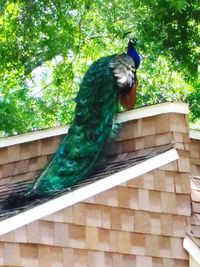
87,191
153,110
192,248
134,114
33,136
195,134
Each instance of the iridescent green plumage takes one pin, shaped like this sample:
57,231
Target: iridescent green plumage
96,104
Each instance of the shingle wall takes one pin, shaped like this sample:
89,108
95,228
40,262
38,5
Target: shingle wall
195,157
22,162
140,223
194,228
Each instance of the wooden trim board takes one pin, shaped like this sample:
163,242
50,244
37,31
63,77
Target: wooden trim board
195,134
192,248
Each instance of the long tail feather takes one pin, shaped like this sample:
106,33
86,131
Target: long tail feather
96,104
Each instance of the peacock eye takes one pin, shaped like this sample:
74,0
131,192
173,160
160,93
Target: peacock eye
70,163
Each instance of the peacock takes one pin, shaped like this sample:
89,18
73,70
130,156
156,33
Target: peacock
107,81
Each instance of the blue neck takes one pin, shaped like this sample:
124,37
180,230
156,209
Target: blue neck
135,56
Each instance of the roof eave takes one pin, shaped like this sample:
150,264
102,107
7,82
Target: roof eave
195,134
192,248
153,110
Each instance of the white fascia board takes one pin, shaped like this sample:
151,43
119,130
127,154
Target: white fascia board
149,111
195,134
87,191
134,114
192,248
33,136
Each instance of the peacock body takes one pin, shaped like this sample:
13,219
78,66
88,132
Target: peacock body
96,104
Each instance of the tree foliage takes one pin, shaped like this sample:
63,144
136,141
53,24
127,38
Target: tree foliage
47,45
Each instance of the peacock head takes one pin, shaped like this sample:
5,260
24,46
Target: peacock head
132,52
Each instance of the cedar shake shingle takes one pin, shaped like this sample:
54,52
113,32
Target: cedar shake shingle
20,235
182,183
183,204
162,123
61,236
4,155
178,123
155,223
77,236
79,214
115,218
6,170
30,150
125,245
104,239
14,153
29,255
163,139
80,257
12,254
68,257
127,220
46,232
33,232
91,238
177,250
141,222
43,256
155,201
37,163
